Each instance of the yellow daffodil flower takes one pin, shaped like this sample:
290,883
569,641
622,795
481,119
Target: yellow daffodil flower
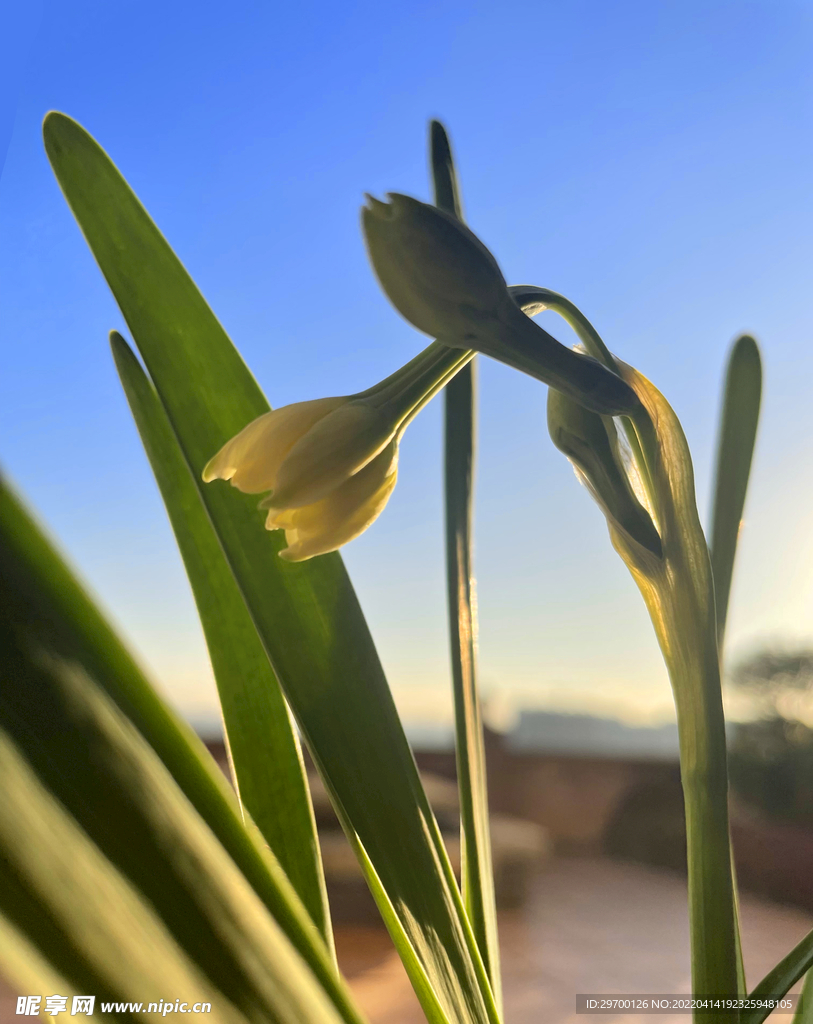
332,463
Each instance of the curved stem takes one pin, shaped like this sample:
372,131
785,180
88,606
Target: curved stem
533,300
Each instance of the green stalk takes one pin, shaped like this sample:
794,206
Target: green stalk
477,875
404,393
677,586
681,603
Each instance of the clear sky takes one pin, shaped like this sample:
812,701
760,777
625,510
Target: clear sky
652,161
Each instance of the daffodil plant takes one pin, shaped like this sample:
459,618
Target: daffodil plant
130,867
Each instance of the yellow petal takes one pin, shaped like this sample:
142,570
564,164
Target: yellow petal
340,517
251,460
333,450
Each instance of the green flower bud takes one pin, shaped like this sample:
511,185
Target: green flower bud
436,272
583,437
441,277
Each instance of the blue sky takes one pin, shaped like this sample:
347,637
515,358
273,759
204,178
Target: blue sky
650,161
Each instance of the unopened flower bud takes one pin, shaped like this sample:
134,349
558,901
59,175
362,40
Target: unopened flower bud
582,436
331,464
436,272
439,275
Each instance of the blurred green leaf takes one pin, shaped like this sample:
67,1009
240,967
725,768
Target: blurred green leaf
735,448
306,614
110,872
782,978
23,963
477,874
69,922
77,629
804,1008
263,748
58,656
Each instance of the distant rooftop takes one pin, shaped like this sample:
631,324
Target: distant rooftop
543,732
585,736
575,735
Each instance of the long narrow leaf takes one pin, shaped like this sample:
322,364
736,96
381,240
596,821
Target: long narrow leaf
161,906
24,964
263,747
477,874
69,923
782,978
804,1008
40,581
735,449
306,614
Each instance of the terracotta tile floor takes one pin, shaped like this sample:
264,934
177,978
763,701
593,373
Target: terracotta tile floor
590,926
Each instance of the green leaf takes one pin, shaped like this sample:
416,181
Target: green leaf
306,614
477,873
136,894
263,748
782,978
804,1008
69,922
38,590
735,449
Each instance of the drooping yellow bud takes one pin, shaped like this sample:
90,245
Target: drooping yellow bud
331,464
340,517
252,459
332,451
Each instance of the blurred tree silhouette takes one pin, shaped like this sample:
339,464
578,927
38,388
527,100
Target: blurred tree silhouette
776,681
771,758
